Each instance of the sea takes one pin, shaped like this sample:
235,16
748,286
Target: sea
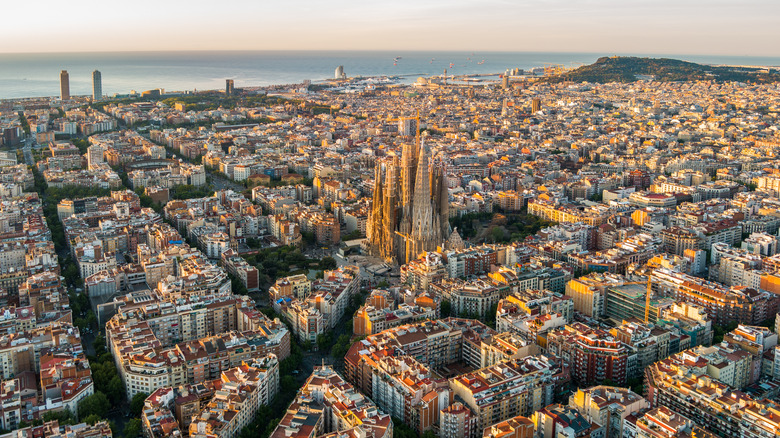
37,74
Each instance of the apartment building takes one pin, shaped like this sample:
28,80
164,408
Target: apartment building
593,354
561,421
246,273
313,308
165,345
725,305
683,384
515,427
458,421
215,408
409,391
242,391
608,406
327,405
504,390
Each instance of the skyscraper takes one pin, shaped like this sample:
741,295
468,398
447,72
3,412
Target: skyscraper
64,85
536,105
407,127
97,85
412,217
340,73
229,87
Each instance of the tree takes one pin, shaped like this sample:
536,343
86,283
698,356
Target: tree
288,383
402,430
25,124
636,384
352,236
721,330
137,404
132,428
95,404
490,316
72,274
63,417
328,263
497,233
92,419
446,309
308,237
91,319
341,347
324,341
115,389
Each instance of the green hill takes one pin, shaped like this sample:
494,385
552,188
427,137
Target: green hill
629,69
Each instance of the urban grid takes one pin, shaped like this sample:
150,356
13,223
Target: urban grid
521,255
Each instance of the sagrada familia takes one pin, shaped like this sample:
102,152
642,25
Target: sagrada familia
410,209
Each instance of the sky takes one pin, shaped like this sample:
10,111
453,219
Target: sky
711,27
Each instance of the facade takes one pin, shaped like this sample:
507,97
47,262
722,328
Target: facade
52,429
725,305
313,308
594,354
97,85
220,408
230,87
172,345
245,272
409,391
608,406
409,213
243,390
683,384
457,421
327,405
560,421
515,427
64,85
505,390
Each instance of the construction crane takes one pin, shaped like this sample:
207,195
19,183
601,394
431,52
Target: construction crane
647,300
553,69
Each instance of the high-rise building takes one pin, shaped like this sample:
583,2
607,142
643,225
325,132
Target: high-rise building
412,217
64,85
229,87
340,73
407,127
95,154
536,105
97,85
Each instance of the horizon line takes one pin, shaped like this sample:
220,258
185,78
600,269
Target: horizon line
602,53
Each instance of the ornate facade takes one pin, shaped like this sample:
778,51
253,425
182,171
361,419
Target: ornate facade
409,214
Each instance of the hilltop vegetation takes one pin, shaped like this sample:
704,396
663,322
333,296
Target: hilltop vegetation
627,69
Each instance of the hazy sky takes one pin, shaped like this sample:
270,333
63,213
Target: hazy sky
728,27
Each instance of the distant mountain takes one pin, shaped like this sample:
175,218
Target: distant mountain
629,69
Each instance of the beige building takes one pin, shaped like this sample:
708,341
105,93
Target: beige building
502,391
608,406
515,427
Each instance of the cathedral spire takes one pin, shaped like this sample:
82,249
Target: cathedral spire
410,203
